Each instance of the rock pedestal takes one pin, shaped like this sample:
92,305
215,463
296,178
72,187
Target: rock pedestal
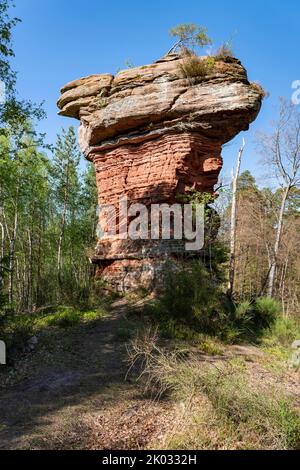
153,134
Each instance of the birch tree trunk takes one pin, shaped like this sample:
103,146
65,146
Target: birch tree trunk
12,258
2,256
233,221
61,236
272,272
30,273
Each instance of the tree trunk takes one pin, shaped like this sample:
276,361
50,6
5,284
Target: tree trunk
12,259
39,264
272,272
61,237
30,272
233,221
1,259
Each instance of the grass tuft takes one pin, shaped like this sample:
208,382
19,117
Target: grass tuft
195,68
224,51
224,407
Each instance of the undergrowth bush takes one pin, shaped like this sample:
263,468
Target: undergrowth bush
266,310
251,320
192,302
282,333
15,331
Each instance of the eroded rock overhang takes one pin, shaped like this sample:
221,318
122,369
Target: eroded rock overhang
153,134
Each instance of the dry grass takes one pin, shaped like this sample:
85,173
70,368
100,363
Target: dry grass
224,52
257,87
195,68
221,406
130,424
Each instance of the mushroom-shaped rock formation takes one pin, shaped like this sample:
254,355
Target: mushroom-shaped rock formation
154,132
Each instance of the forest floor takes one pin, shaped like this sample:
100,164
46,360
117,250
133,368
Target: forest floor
71,391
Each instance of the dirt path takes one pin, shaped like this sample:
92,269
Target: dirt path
71,393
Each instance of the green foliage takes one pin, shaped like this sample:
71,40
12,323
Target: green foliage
64,318
15,330
22,169
282,332
43,204
14,113
74,223
192,303
6,26
190,35
249,408
266,310
217,251
246,181
67,316
193,294
242,310
64,168
252,319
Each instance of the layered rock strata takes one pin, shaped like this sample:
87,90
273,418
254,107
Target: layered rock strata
153,134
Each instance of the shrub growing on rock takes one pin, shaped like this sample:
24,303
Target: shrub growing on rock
188,36
224,51
195,68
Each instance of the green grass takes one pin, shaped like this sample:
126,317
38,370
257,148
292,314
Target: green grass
228,412
277,342
210,345
65,317
16,330
282,333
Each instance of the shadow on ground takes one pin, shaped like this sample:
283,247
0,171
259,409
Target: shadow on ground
74,374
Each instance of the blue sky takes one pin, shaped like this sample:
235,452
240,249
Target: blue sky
61,40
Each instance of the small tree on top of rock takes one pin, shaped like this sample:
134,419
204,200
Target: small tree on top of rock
189,36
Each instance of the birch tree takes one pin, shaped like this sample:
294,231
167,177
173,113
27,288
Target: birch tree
235,177
281,151
65,185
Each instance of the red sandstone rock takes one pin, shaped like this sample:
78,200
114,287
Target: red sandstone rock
153,135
